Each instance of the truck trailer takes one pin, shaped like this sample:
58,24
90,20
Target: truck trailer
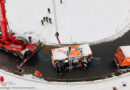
67,58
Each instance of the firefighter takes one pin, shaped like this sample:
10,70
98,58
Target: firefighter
49,11
30,39
57,34
47,19
42,22
44,18
60,1
115,88
50,21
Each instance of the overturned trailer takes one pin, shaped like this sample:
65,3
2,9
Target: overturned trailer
71,57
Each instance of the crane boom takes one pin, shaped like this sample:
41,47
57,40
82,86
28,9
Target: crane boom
3,21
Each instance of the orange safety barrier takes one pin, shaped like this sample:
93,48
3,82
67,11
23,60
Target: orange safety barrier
37,73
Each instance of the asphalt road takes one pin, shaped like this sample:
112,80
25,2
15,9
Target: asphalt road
100,68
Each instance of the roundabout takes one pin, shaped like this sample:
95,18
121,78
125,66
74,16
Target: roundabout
102,67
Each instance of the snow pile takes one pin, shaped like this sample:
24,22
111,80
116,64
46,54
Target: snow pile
12,82
76,21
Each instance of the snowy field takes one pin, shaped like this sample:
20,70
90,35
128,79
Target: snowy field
14,82
76,21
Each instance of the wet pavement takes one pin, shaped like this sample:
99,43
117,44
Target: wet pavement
99,68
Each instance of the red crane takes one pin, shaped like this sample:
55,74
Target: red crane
18,46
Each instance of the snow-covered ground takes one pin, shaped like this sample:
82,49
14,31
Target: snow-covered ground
14,82
90,20
24,17
76,21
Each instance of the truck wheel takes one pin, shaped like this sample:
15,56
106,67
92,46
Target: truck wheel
60,67
6,50
1,48
15,54
20,55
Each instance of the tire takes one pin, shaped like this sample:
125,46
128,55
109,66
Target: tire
1,48
15,54
6,50
60,67
20,56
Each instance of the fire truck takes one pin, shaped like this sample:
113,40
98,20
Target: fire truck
122,57
70,57
9,43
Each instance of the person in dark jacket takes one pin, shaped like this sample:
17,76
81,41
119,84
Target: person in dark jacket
57,34
49,11
50,21
60,1
47,19
44,18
